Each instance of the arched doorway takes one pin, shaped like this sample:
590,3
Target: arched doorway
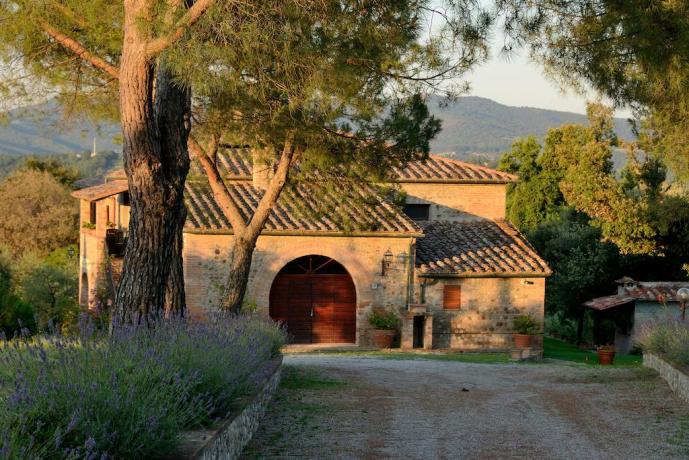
315,298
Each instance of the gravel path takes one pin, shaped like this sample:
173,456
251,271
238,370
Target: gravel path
418,409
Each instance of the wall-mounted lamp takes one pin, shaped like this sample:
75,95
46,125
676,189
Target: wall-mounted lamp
386,262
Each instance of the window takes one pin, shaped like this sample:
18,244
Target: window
417,211
452,297
92,213
124,198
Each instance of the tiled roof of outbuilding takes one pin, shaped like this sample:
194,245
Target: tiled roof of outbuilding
476,248
308,208
98,192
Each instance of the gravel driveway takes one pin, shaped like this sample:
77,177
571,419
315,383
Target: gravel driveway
417,409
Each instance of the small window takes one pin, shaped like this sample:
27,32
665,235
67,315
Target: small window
417,211
452,297
92,213
124,198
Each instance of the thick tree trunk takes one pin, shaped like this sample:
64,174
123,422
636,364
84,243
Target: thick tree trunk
238,274
175,296
156,176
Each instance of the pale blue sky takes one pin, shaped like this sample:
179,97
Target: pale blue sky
517,81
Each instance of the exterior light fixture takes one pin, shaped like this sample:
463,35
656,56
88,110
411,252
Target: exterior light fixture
683,297
70,252
386,262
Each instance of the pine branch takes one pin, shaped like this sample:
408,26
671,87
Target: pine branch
218,186
80,50
189,18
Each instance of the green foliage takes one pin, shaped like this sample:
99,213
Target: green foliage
583,266
66,175
385,320
49,286
14,313
38,213
526,324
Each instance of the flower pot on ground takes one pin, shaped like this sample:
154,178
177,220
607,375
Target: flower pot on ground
384,327
525,327
606,355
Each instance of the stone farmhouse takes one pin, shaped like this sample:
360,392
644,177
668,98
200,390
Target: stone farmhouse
448,263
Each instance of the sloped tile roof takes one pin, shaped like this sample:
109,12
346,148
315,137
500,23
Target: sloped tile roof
98,192
306,208
476,248
441,169
235,164
610,301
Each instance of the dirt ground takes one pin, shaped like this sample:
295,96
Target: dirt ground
336,407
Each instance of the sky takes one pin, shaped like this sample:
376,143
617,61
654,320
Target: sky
517,81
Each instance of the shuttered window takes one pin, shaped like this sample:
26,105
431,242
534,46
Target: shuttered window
452,297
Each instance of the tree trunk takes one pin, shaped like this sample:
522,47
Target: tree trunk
156,175
238,275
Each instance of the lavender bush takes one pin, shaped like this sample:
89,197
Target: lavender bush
127,395
667,336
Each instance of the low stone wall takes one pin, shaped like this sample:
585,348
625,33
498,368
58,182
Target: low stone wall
229,439
677,379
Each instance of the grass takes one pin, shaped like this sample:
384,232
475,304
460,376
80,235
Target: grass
486,358
557,349
300,378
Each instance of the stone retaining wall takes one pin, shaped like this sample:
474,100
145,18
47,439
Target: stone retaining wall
677,379
229,439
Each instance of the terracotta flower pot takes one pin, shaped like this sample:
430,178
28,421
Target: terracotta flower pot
523,340
383,338
606,357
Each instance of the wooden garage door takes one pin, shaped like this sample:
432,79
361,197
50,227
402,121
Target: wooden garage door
316,300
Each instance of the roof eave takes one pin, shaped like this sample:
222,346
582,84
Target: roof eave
485,275
454,181
309,233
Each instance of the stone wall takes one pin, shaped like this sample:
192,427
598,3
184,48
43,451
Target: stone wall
456,202
677,379
229,439
206,256
488,306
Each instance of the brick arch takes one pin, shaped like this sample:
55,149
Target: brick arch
265,274
315,298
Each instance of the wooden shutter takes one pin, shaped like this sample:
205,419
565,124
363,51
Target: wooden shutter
452,297
92,212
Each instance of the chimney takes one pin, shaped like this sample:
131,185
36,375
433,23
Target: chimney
262,168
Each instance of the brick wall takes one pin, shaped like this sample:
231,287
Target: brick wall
455,202
205,259
488,306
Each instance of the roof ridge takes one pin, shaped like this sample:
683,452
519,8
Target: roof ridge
466,164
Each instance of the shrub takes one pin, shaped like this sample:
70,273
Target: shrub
668,336
526,324
386,320
559,326
130,394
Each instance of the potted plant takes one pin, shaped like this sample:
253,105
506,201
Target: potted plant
525,327
606,355
384,327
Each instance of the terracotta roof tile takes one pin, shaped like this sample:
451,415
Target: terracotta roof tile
441,169
235,164
297,211
476,248
610,301
98,192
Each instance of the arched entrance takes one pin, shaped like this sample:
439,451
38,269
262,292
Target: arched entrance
315,298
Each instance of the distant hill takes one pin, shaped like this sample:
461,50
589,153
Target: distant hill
44,129
475,128
478,128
